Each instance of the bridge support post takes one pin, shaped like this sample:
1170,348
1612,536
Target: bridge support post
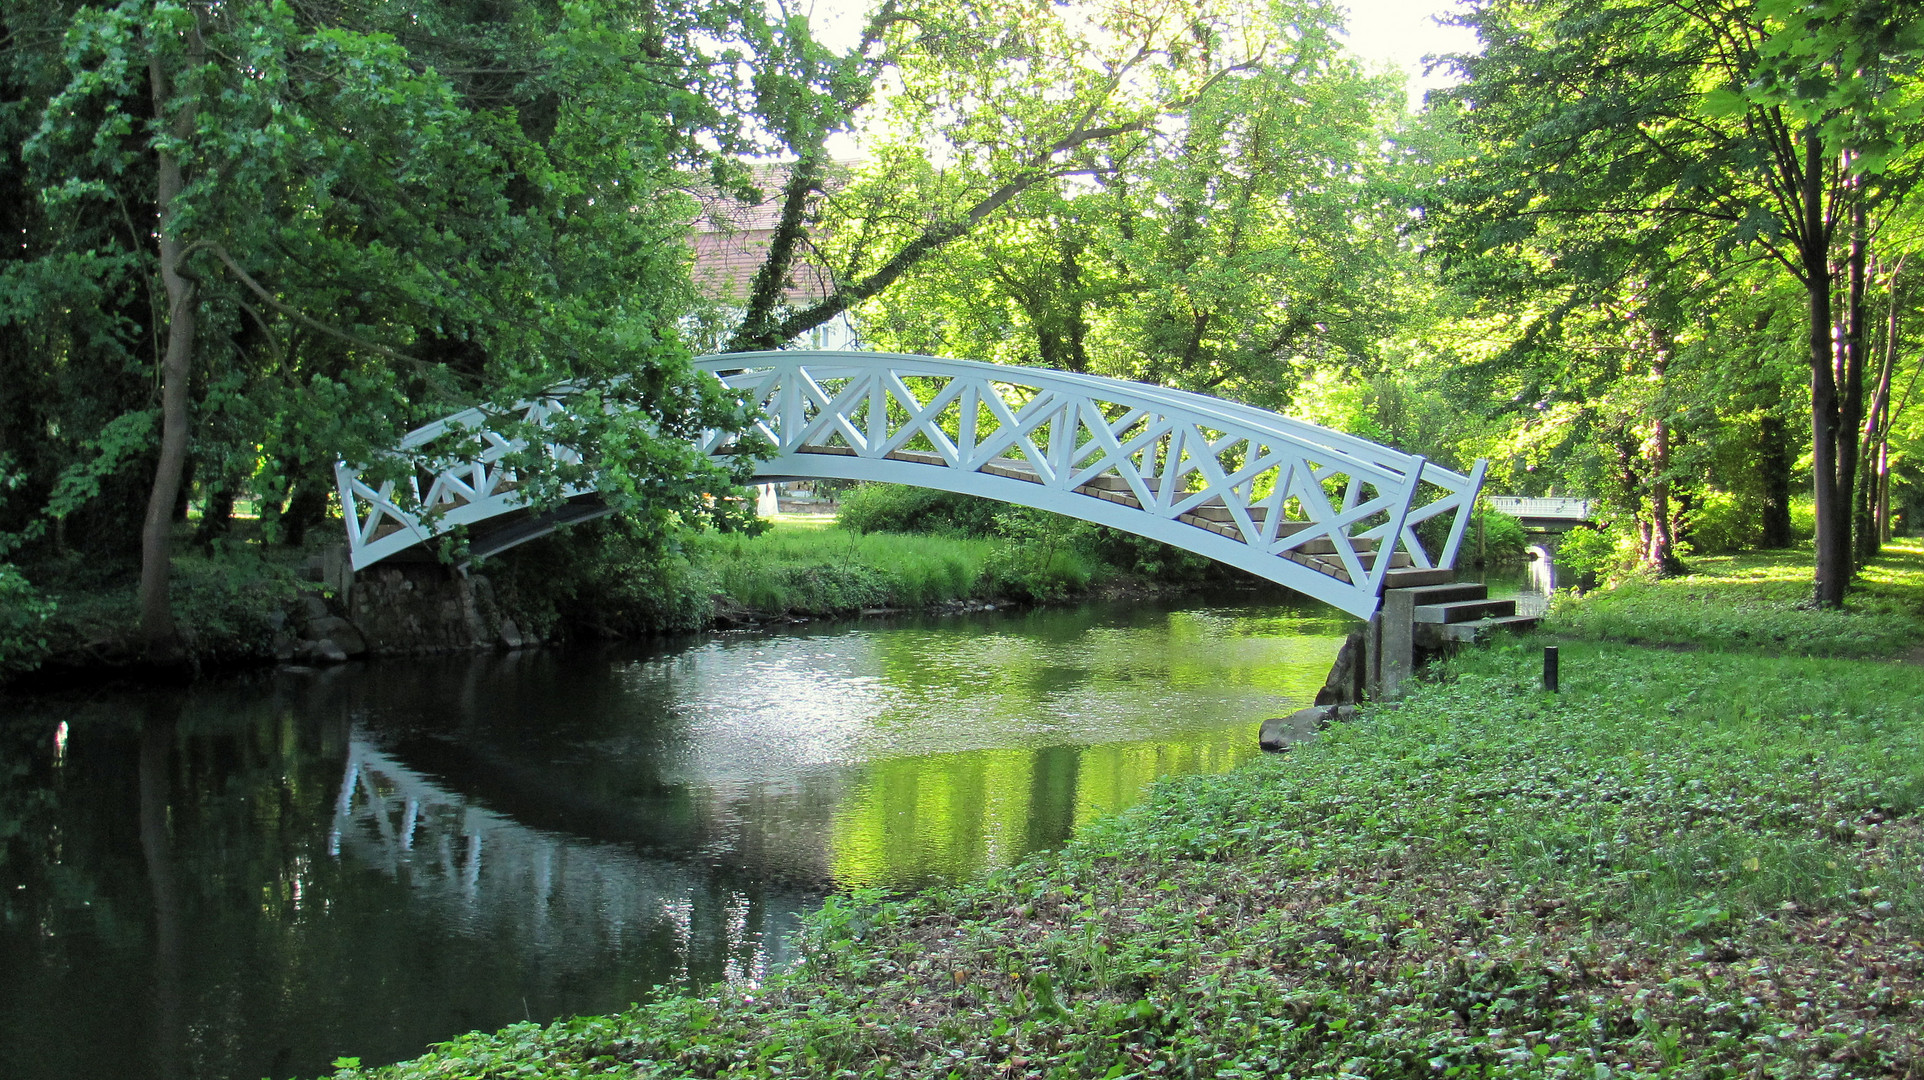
1394,656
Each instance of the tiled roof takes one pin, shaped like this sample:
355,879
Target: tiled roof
731,238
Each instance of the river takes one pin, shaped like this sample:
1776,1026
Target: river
258,875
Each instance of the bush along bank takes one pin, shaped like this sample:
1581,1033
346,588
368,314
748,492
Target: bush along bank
605,579
1686,863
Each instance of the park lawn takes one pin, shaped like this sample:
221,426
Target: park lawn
1698,863
1760,600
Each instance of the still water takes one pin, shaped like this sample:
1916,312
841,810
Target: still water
254,877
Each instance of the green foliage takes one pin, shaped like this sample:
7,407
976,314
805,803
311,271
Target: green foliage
608,577
1043,557
901,508
377,226
1722,523
1649,197
1048,556
1504,540
1803,520
1150,559
1503,535
1231,251
1599,551
226,603
24,612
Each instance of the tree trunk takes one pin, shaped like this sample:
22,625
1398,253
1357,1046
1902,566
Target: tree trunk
1774,464
1873,525
759,325
1660,546
157,632
216,517
1850,406
1830,487
1660,540
1884,492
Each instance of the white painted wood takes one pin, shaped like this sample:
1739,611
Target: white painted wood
1237,484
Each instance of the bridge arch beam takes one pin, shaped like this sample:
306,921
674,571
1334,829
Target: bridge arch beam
1315,510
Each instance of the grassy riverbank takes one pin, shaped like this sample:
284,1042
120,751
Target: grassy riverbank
598,580
808,565
1692,862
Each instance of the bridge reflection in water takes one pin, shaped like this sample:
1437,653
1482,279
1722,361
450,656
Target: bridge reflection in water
572,901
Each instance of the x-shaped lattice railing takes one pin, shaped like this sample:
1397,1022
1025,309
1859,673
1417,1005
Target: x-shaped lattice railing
1322,512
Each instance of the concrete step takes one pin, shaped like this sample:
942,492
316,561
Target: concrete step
1472,631
1412,579
1460,611
1448,593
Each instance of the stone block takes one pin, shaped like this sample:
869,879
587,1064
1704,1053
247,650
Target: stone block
1281,732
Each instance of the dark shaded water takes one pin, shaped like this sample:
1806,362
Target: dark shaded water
254,877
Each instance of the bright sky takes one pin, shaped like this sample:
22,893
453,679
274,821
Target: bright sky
1402,32
1398,32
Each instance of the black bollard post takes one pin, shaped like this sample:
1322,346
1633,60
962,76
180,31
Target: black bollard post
1550,668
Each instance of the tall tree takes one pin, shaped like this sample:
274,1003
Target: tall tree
1244,240
335,240
1707,129
970,105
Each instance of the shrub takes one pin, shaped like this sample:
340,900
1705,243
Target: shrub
610,576
224,604
1601,551
1803,520
1045,558
904,509
1503,536
1148,558
1722,522
24,612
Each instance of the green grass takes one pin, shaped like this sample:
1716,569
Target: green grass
1700,863
1759,601
806,565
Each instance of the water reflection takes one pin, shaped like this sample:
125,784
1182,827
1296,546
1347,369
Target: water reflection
257,876
488,877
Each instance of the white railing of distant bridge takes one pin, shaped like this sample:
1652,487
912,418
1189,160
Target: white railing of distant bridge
1555,509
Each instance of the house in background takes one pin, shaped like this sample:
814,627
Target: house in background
731,238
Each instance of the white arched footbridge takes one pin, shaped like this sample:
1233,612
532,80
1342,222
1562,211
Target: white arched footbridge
1309,508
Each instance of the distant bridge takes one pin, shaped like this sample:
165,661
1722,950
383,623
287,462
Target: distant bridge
1542,515
1304,506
